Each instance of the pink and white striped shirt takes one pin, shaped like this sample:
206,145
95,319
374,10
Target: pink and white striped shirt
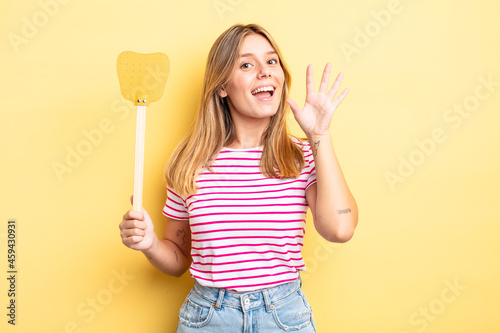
247,230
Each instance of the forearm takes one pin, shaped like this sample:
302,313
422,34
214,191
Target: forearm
167,257
335,212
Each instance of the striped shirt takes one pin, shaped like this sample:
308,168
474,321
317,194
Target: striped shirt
247,230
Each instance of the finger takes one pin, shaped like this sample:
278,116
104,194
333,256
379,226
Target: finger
340,98
335,86
145,214
324,79
135,224
132,240
132,224
294,107
133,215
126,233
309,80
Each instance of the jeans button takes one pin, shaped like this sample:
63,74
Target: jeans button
246,301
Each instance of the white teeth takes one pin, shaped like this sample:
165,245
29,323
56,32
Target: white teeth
258,90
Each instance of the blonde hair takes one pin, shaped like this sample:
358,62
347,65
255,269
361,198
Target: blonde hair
213,127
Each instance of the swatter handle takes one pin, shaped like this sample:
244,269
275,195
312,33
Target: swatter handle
139,157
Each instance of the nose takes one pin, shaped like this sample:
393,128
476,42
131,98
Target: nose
265,72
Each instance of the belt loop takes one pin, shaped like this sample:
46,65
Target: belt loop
300,281
267,300
218,305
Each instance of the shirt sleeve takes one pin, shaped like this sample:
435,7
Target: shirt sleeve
309,166
175,207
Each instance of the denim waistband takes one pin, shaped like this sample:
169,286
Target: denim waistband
248,300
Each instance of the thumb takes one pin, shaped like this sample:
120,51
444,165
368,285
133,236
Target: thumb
149,222
294,107
146,215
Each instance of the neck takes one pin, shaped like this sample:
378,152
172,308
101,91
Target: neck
244,144
248,134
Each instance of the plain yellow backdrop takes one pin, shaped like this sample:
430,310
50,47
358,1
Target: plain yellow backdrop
417,138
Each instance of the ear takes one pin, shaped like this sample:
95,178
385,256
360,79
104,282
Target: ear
222,93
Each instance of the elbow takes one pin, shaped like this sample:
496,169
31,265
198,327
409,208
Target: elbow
184,268
339,231
179,271
340,236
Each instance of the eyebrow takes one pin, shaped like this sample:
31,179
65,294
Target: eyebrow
251,54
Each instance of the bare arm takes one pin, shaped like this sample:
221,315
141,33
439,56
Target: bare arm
172,254
334,209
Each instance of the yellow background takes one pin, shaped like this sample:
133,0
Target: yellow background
425,256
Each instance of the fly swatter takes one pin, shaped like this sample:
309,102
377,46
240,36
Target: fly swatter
142,80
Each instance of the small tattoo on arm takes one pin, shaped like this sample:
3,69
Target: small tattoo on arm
315,147
343,211
183,233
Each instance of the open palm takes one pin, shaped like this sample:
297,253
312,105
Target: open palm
316,115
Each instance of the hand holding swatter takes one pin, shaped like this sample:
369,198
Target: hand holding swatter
142,80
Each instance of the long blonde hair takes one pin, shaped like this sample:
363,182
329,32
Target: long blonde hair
213,127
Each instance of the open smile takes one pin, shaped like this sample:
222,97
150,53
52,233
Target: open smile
264,93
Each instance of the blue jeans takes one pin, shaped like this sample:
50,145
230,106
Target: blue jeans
283,308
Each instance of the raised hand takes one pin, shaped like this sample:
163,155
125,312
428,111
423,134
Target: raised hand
316,115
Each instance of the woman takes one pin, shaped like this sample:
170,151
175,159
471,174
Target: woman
238,190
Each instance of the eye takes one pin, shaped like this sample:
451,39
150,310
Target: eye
272,62
246,65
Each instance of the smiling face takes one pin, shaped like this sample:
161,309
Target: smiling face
255,86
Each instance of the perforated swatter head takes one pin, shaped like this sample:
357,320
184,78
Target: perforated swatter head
142,76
